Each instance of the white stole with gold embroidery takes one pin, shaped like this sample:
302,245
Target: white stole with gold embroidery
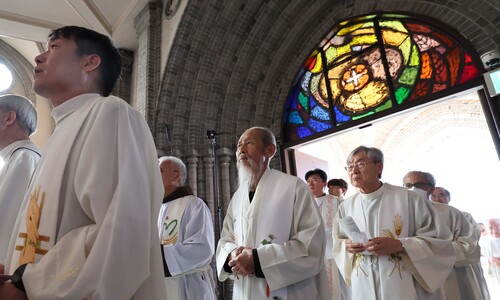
393,216
38,223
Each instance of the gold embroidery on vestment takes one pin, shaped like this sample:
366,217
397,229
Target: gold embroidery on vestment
32,239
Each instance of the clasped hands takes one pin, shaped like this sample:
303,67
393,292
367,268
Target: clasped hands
8,291
495,261
377,246
241,261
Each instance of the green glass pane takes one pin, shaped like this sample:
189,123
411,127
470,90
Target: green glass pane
386,105
409,76
362,116
396,25
304,101
405,48
401,94
331,55
414,58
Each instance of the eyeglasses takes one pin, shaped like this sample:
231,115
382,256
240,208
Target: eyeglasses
359,164
418,185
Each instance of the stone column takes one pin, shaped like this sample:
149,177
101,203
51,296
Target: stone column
224,155
192,163
148,27
208,164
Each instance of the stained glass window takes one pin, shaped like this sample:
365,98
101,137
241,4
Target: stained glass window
372,65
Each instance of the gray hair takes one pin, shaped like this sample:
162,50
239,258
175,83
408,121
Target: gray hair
428,176
179,163
373,153
24,109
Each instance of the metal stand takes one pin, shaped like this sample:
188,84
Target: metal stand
211,134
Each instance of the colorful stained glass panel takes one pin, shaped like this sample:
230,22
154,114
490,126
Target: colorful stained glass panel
352,74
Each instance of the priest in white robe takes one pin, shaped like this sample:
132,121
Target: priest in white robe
18,159
88,229
463,282
273,238
328,206
388,241
187,236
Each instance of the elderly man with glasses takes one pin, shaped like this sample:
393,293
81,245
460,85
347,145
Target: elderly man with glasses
465,280
388,241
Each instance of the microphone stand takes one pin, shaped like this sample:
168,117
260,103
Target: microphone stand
213,135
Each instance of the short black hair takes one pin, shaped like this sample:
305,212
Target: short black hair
338,182
91,42
318,172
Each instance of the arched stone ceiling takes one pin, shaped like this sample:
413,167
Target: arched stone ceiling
233,61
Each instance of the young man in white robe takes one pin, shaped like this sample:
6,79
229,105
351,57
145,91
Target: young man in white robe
88,229
273,238
463,282
18,159
492,252
328,206
391,244
337,187
187,236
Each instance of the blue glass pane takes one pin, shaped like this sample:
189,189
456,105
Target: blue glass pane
303,132
312,102
320,113
295,118
293,98
339,116
319,126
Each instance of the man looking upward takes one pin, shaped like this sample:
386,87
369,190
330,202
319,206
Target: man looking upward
266,258
89,227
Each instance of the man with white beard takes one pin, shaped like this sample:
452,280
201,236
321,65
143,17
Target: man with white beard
465,280
273,239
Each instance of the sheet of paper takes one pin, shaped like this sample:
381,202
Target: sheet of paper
352,230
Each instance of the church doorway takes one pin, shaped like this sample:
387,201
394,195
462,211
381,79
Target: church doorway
448,138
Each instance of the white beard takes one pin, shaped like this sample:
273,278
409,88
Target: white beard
244,174
247,174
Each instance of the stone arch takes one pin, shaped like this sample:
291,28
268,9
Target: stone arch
231,58
20,68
